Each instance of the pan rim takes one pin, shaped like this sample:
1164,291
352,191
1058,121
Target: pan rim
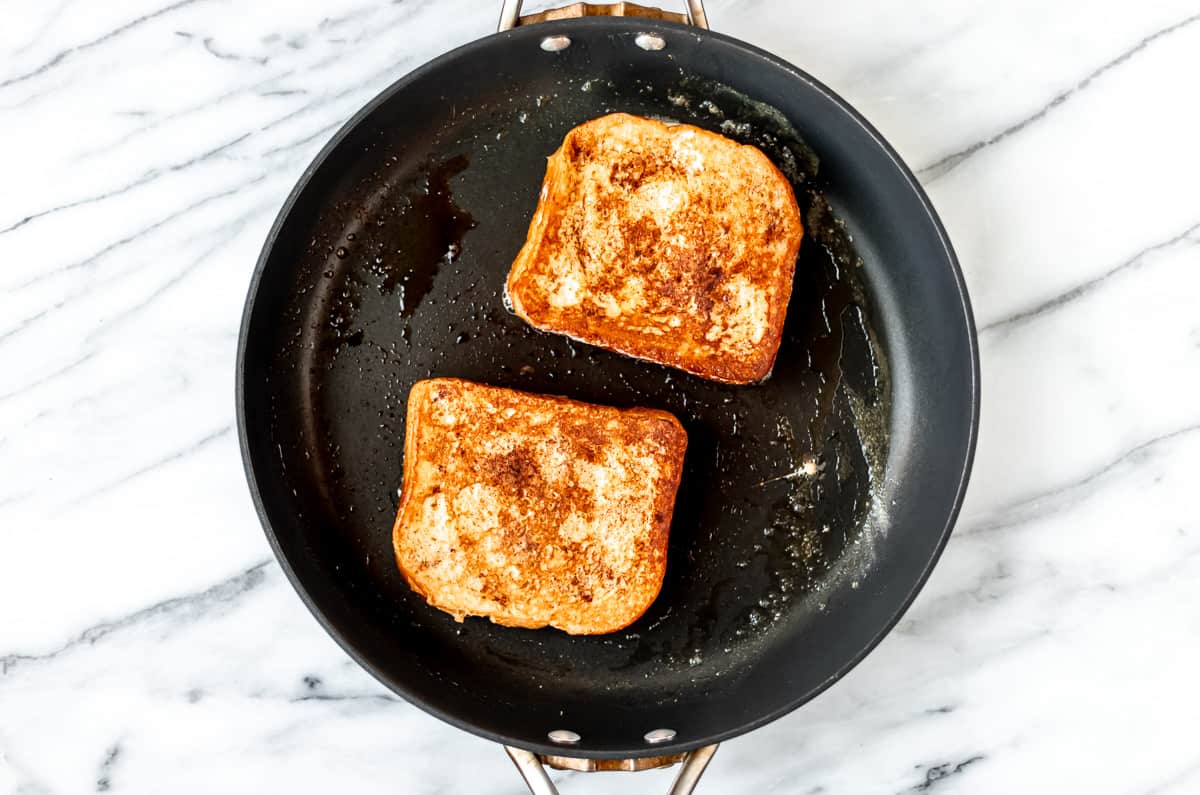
629,24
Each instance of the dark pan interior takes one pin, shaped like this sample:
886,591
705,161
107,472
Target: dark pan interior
387,266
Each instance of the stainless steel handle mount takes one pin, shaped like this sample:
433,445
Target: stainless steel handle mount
510,13
533,767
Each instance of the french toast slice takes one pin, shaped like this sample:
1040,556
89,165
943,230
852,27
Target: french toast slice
664,242
534,510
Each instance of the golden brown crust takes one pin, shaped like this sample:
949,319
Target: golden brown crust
667,243
535,510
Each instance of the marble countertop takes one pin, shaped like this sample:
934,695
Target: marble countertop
148,640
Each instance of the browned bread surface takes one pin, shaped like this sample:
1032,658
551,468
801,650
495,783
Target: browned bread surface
535,510
667,243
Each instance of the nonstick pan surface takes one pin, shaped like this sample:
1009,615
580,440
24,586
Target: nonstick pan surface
387,265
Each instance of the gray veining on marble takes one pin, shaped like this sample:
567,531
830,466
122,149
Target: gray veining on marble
149,642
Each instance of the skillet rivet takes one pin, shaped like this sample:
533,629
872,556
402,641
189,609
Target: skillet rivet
650,41
555,43
564,737
660,736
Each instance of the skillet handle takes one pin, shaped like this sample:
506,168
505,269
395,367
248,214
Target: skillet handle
530,766
510,13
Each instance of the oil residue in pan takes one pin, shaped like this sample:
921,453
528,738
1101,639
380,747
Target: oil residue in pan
443,225
778,487
397,245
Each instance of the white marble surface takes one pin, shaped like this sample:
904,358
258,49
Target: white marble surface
149,643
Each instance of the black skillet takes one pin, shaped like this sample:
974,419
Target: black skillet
813,505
